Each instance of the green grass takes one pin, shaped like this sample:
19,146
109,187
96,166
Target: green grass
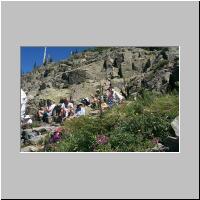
36,124
130,127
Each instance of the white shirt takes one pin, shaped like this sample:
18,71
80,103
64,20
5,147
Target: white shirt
81,112
23,103
62,105
70,105
117,96
51,108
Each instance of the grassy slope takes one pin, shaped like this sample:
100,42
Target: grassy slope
131,126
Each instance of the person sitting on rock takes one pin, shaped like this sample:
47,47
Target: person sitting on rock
95,101
48,110
40,112
86,101
110,97
71,108
66,109
80,110
117,97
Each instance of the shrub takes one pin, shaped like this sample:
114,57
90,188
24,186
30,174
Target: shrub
128,142
128,127
103,148
161,64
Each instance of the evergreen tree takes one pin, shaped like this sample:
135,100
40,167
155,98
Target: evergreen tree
35,65
120,71
50,60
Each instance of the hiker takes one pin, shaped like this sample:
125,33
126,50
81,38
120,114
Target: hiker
86,101
94,101
25,119
66,108
56,136
110,97
44,113
24,100
80,110
63,104
117,97
40,112
49,108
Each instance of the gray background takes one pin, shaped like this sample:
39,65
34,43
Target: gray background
74,175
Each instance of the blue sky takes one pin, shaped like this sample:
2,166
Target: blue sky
30,55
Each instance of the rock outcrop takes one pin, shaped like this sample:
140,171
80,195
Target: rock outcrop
127,68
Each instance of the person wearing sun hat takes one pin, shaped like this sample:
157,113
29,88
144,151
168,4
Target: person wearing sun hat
80,110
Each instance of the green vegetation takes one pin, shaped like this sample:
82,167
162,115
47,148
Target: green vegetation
129,127
156,48
35,124
161,64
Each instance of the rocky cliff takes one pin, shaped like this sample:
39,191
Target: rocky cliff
128,69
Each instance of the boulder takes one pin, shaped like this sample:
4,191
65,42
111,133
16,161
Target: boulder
29,149
172,143
117,82
27,134
42,130
175,126
76,77
159,148
42,86
64,76
37,139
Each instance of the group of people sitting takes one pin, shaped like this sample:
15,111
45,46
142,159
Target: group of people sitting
70,109
107,100
64,109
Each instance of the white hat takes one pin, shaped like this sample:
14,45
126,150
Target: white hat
27,117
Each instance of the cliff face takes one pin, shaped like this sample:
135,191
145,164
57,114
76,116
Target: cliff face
128,69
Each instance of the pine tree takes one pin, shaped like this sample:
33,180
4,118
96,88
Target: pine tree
50,60
120,71
35,65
